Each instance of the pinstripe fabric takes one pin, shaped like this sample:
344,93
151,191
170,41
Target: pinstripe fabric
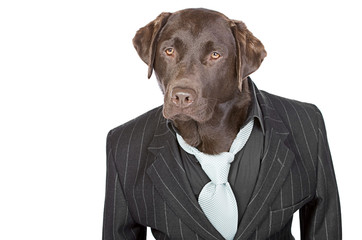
147,185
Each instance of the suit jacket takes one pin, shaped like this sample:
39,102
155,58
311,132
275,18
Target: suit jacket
147,185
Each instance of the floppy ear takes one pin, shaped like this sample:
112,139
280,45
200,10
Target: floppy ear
145,40
250,51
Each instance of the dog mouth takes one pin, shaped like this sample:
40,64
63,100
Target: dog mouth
185,102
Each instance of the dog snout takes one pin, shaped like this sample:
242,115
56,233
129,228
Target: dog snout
183,97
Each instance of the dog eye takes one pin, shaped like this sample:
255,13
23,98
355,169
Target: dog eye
215,55
169,51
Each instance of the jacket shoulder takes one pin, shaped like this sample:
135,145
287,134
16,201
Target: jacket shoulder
303,120
142,126
293,110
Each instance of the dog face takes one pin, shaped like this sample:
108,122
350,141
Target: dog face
200,58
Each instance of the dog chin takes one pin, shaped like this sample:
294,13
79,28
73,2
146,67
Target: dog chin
184,117
181,117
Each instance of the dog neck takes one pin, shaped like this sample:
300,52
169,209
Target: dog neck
217,134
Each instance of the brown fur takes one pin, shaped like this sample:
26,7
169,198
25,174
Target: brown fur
221,102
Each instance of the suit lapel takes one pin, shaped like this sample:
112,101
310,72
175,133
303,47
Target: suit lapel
275,166
169,178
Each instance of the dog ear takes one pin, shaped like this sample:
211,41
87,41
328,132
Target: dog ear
250,51
145,40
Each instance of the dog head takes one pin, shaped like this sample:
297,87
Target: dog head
200,58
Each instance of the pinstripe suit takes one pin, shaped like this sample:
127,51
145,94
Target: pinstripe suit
147,185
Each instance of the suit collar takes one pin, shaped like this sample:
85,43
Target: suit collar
168,175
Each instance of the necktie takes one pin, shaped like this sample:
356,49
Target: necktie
216,198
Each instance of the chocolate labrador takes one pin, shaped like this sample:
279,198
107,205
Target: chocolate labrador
201,61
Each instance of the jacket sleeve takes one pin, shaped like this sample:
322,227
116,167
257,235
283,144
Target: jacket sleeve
117,220
321,218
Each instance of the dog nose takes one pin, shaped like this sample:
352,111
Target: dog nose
183,97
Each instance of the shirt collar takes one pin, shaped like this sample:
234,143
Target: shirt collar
254,112
254,109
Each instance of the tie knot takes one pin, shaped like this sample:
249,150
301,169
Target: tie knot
216,166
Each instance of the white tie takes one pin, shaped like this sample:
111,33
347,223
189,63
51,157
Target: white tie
216,198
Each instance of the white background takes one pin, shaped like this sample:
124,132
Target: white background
69,73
